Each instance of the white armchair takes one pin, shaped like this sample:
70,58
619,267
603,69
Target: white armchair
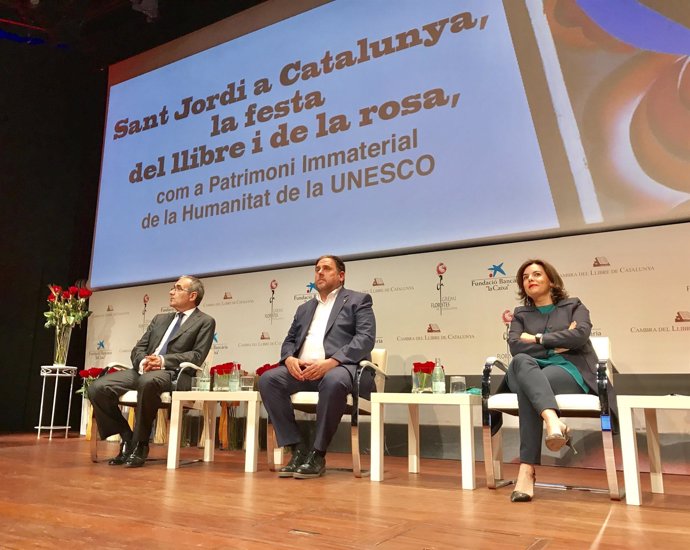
306,401
574,405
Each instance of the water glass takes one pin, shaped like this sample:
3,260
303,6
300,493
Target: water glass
234,380
247,383
457,384
203,383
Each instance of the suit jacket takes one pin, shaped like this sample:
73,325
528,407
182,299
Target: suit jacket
350,331
555,334
192,341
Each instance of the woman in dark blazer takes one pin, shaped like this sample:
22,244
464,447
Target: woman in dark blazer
552,354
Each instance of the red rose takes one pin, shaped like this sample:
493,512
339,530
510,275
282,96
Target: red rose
94,372
51,297
65,295
266,367
56,289
73,290
426,368
84,373
84,292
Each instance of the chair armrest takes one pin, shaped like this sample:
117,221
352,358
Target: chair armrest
184,366
369,365
117,365
490,418
486,374
603,386
187,365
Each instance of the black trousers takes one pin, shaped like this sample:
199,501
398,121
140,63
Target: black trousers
536,388
277,385
105,392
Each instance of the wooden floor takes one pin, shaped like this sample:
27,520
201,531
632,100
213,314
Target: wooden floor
52,496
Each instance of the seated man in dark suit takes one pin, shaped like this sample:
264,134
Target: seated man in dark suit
329,336
170,339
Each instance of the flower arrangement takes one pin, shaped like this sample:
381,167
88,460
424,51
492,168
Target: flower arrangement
88,376
223,375
265,367
66,308
421,376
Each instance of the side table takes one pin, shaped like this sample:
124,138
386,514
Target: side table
465,403
631,470
56,372
209,399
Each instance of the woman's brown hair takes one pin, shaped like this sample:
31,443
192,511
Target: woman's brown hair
558,291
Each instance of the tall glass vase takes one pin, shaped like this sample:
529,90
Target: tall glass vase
62,335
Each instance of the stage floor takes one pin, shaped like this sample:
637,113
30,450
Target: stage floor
52,496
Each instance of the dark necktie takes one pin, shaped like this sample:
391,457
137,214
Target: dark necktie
174,330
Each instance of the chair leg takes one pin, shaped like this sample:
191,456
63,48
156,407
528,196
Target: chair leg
356,459
493,459
94,438
274,454
615,491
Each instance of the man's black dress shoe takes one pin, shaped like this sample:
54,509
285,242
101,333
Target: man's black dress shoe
299,455
138,457
314,466
126,448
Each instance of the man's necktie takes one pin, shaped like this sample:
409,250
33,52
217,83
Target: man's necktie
174,330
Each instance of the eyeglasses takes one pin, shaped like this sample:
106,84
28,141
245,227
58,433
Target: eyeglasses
178,288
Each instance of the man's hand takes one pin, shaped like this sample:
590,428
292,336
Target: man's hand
152,362
294,367
316,370
528,338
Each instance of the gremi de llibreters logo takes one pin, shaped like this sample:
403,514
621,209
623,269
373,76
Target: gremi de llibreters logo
273,285
444,300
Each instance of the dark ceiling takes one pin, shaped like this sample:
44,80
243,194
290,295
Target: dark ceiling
106,31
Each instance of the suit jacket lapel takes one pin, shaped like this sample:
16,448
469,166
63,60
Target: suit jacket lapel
340,300
310,309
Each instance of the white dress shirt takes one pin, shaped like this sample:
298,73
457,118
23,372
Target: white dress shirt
312,348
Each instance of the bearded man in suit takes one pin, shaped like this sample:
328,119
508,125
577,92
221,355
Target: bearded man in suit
170,339
329,336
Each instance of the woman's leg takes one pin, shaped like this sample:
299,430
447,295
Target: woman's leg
536,389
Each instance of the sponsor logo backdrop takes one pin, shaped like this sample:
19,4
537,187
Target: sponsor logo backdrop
636,284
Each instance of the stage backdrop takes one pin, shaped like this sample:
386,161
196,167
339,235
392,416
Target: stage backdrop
446,304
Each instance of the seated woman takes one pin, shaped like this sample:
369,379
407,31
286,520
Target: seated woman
552,354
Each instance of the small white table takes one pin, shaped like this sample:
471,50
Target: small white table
465,403
209,399
56,372
631,471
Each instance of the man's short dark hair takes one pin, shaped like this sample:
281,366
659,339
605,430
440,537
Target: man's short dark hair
195,286
339,264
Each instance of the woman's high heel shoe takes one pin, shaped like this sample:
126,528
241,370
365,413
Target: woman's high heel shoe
519,496
556,441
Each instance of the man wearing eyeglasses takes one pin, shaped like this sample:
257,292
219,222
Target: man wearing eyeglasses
170,339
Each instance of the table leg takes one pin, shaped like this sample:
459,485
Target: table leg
209,430
377,439
52,416
252,437
175,434
40,413
69,402
654,452
413,438
631,470
467,446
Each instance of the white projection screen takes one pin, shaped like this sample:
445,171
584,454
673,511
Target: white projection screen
367,128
